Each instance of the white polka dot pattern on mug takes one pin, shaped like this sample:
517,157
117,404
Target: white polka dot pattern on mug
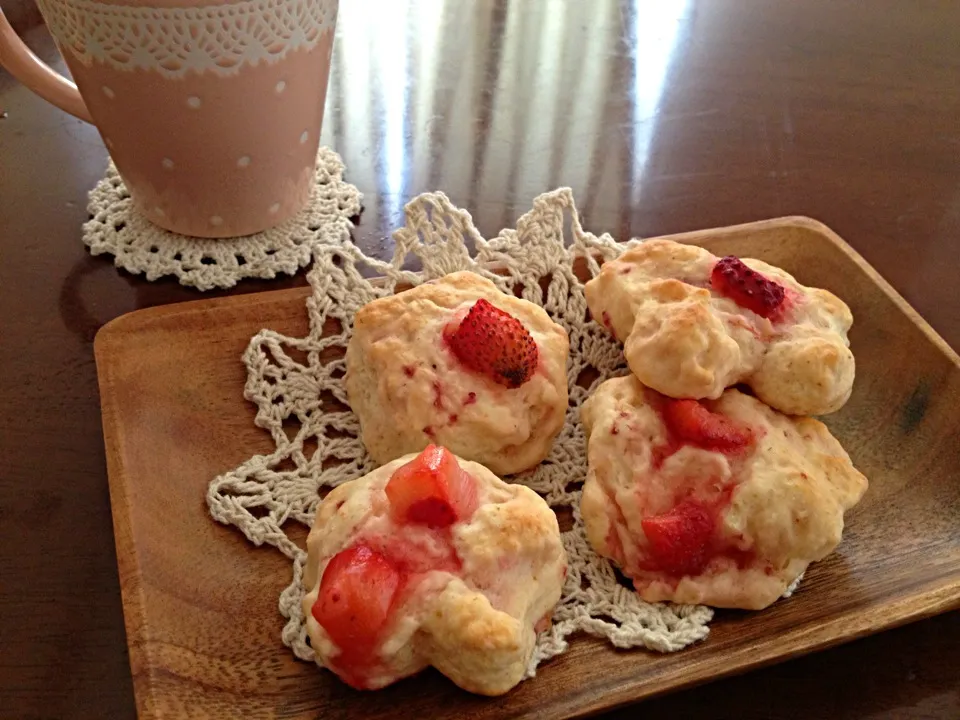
109,92
243,162
167,164
275,208
280,87
303,137
158,210
216,221
193,101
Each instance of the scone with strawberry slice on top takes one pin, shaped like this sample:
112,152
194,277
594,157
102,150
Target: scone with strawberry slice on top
458,363
720,502
431,560
694,324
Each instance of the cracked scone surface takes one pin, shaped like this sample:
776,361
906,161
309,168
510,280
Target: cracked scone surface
771,508
473,592
408,388
685,339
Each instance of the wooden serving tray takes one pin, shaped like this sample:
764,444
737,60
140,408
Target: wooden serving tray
200,602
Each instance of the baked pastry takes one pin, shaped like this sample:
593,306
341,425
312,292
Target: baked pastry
693,324
431,560
458,363
721,503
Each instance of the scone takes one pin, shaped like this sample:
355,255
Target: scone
694,324
431,560
458,363
721,502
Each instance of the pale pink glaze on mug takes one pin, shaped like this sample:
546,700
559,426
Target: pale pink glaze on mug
211,154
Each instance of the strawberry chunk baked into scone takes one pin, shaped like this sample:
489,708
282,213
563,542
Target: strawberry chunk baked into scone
431,560
458,363
694,324
721,502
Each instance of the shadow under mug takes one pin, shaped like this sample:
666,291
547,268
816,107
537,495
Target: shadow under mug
210,111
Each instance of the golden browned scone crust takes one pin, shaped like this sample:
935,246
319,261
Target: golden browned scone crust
685,340
779,505
408,389
476,625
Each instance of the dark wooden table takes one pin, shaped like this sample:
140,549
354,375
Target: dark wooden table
662,116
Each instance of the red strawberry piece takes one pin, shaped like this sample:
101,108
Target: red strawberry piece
747,288
432,489
692,422
357,591
679,540
494,343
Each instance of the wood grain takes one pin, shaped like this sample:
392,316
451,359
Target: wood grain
200,602
845,111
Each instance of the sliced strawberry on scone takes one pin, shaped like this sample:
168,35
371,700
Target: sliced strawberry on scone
432,489
679,540
747,288
357,592
494,343
692,422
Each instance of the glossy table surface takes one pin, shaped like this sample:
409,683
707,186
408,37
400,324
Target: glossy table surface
662,117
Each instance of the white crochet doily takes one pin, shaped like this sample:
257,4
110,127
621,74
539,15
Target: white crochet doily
297,386
139,246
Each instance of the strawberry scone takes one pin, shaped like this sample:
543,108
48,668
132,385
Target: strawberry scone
431,560
694,324
722,502
458,363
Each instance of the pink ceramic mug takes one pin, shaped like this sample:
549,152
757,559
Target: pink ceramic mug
211,109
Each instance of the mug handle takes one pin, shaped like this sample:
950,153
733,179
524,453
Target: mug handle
30,70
